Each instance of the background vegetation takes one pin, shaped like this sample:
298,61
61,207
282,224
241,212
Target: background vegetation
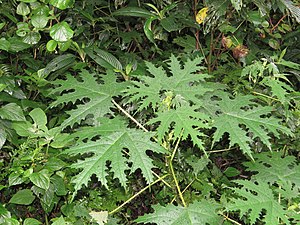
160,112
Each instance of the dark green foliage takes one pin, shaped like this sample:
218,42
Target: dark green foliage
159,111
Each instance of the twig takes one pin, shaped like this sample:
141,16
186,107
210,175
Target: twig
165,182
231,220
137,194
257,93
129,116
221,150
277,24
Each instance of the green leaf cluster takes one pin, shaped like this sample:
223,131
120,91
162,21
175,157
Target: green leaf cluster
122,112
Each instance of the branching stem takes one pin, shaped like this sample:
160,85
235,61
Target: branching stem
138,193
231,220
173,172
257,93
129,116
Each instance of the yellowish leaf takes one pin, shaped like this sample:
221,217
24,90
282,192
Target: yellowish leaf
201,15
99,217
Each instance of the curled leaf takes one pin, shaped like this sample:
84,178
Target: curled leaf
240,51
201,15
226,42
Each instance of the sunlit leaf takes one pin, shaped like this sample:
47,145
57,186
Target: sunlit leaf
61,32
62,4
23,9
201,15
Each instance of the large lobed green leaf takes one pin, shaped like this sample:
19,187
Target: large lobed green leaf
183,82
185,121
124,148
244,120
99,95
198,213
255,198
272,168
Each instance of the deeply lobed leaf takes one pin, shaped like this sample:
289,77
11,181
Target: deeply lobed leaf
202,212
185,121
272,168
244,120
119,148
183,81
255,198
99,96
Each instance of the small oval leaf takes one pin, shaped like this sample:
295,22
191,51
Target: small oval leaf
51,45
22,197
32,38
62,4
23,9
61,32
39,21
40,179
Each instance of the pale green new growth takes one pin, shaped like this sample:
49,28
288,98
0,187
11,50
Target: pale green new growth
185,121
198,213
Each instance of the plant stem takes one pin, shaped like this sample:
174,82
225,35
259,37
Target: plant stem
46,220
138,193
129,116
277,24
257,93
210,51
221,150
173,172
231,220
165,182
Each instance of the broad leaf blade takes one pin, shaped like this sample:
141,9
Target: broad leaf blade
22,197
202,212
99,96
12,112
133,11
254,199
241,116
110,149
103,58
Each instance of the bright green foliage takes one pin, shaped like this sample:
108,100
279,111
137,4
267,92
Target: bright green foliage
185,121
99,96
256,197
202,212
120,148
231,114
62,4
181,84
272,168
